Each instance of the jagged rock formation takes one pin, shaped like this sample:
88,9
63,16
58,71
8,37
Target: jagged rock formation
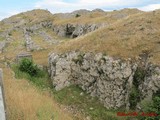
111,80
73,31
66,30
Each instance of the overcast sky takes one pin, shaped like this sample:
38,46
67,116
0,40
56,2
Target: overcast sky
11,7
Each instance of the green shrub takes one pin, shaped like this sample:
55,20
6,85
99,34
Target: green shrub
28,70
145,104
152,106
77,15
10,34
155,106
27,65
138,77
134,97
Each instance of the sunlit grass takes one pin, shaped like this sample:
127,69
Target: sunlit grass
25,102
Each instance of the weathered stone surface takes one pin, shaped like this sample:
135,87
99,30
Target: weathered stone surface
72,30
21,56
2,46
109,79
151,83
29,43
60,30
47,38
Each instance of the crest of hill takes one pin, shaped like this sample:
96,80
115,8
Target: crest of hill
86,16
29,17
98,10
128,37
94,16
72,14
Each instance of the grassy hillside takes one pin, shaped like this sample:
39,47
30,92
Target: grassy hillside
96,17
127,37
127,33
25,102
27,18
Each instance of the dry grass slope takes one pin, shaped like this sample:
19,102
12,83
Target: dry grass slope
125,38
25,102
29,17
96,17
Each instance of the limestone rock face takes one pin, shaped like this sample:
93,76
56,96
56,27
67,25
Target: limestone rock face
34,27
151,82
72,30
109,79
60,30
48,38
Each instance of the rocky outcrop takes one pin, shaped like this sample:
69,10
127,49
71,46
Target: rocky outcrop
71,30
40,25
29,43
111,80
65,30
2,46
151,83
48,38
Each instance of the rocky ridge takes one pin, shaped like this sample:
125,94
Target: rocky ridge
73,31
111,80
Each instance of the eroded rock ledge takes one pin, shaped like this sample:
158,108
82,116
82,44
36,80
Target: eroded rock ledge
73,31
111,80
